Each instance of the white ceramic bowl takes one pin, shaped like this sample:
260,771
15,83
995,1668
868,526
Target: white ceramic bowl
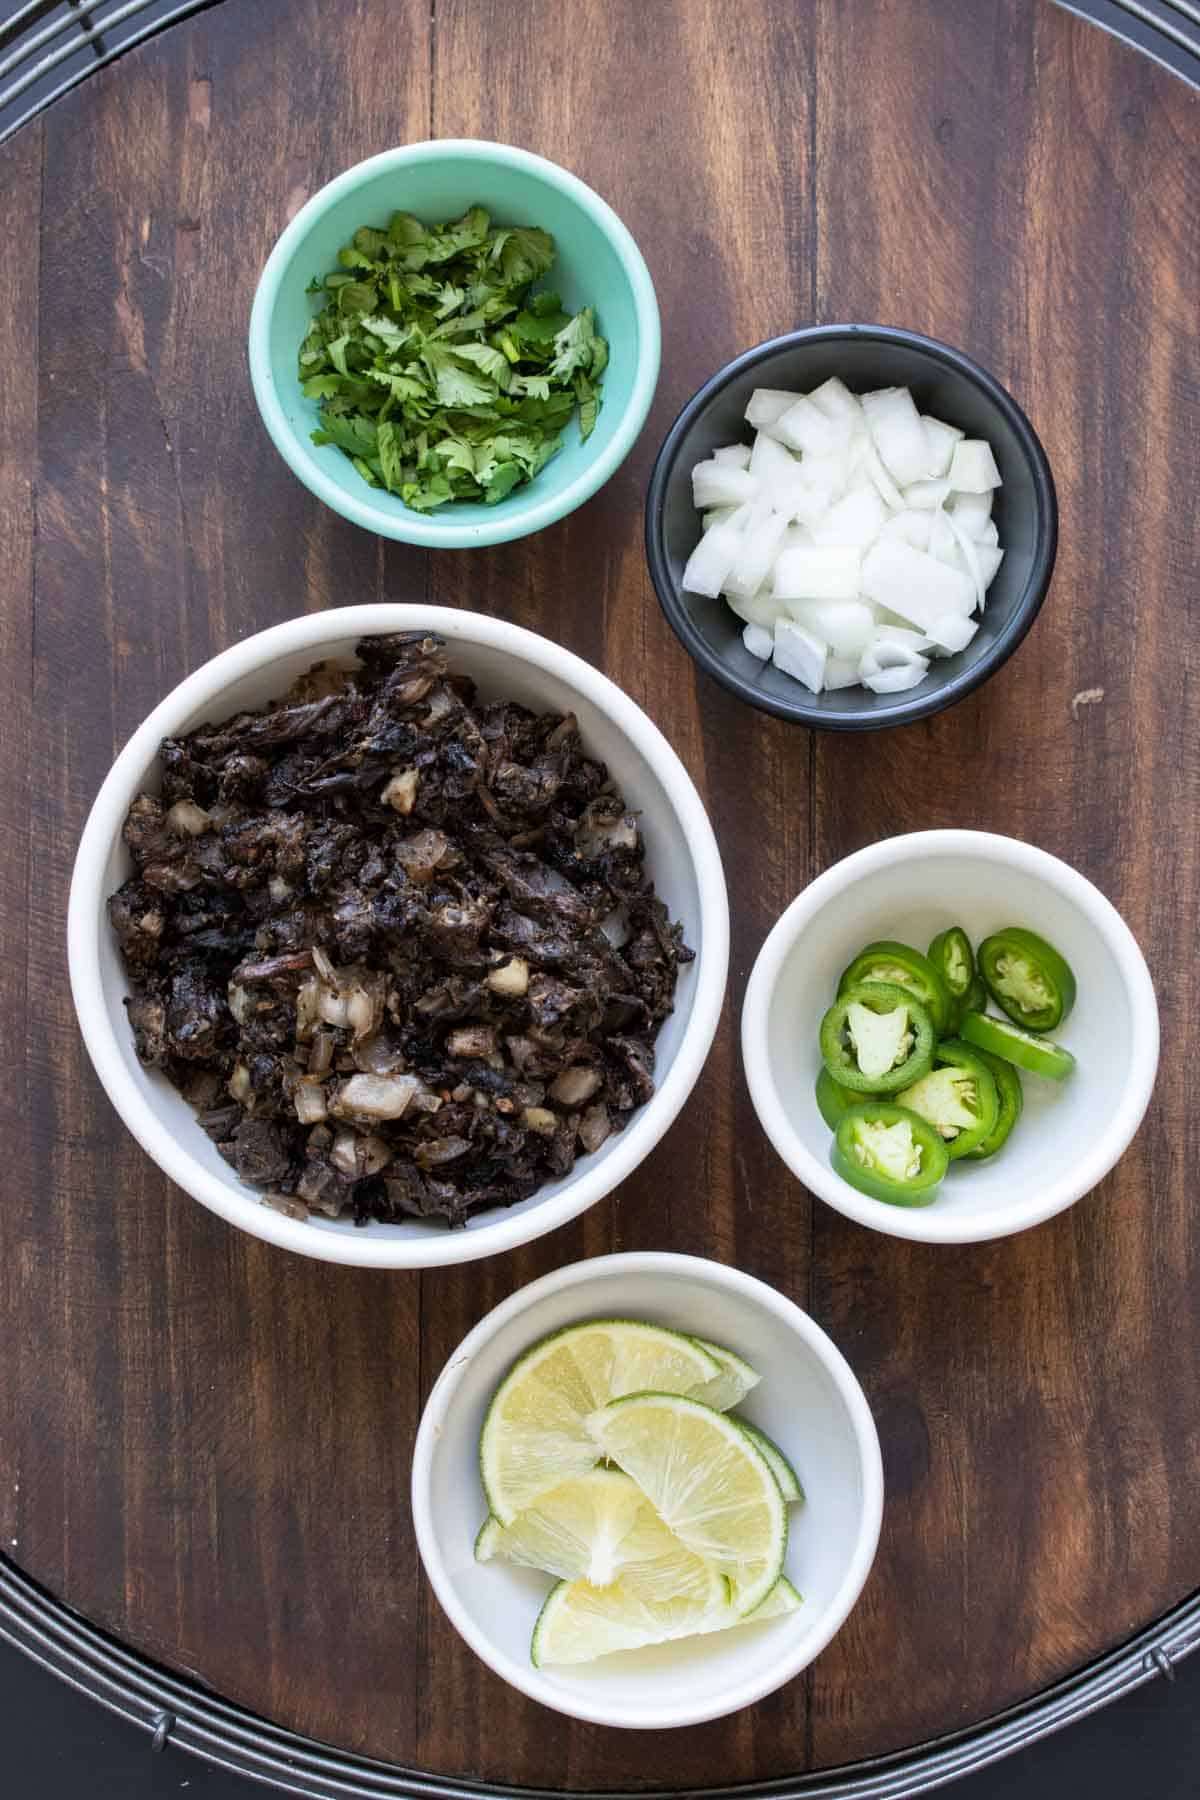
808,1400
506,662
910,888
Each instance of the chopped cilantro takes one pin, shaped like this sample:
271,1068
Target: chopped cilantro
437,369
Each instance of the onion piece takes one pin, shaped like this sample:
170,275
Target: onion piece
888,668
915,585
952,632
926,496
799,654
760,546
973,467
855,521
845,627
973,511
884,486
898,434
970,558
716,484
822,572
941,439
766,405
759,642
835,400
841,672
805,427
733,456
710,562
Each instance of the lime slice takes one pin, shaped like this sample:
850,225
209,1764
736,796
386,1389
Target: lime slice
579,1622
780,1467
595,1527
533,1436
708,1480
733,1383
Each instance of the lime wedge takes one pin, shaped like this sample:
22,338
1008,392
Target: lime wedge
708,1480
579,1622
595,1528
781,1468
734,1382
533,1437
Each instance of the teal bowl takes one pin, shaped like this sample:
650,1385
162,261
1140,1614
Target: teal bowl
597,264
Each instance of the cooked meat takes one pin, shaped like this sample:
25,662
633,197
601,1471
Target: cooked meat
396,944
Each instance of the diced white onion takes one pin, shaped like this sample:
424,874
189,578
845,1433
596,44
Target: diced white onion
899,436
835,400
758,642
845,627
854,521
973,512
819,572
760,546
915,585
952,632
973,467
941,439
926,496
799,654
888,668
766,405
853,537
715,484
709,564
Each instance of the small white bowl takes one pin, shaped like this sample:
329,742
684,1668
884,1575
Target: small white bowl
809,1401
908,889
506,662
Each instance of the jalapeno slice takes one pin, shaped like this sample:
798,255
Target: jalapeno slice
974,1000
1027,978
833,1099
953,958
890,1153
1012,1099
876,1038
958,1098
1036,1055
901,966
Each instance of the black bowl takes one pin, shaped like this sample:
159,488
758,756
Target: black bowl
945,384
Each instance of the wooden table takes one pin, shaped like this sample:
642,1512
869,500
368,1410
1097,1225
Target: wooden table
204,1443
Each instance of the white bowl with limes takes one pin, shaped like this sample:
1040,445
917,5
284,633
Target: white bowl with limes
807,1401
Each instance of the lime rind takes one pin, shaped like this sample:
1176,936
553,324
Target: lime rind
730,1387
789,1482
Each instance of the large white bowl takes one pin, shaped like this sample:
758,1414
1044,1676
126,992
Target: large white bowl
809,1401
506,662
908,889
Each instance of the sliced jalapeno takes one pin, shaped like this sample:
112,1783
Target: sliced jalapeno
1036,1055
952,957
890,1153
974,1000
876,1038
833,1099
958,1098
1027,978
901,966
1012,1099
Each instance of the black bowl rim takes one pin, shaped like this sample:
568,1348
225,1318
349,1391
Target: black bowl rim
900,711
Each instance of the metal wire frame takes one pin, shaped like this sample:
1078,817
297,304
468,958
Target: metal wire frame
170,1709
48,46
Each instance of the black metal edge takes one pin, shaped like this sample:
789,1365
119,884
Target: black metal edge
1167,31
172,1709
102,54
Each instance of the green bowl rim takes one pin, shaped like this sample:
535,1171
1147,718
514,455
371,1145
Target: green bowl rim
512,520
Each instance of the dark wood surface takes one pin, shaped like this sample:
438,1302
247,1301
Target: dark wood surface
204,1443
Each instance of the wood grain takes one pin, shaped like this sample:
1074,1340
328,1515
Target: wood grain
204,1445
